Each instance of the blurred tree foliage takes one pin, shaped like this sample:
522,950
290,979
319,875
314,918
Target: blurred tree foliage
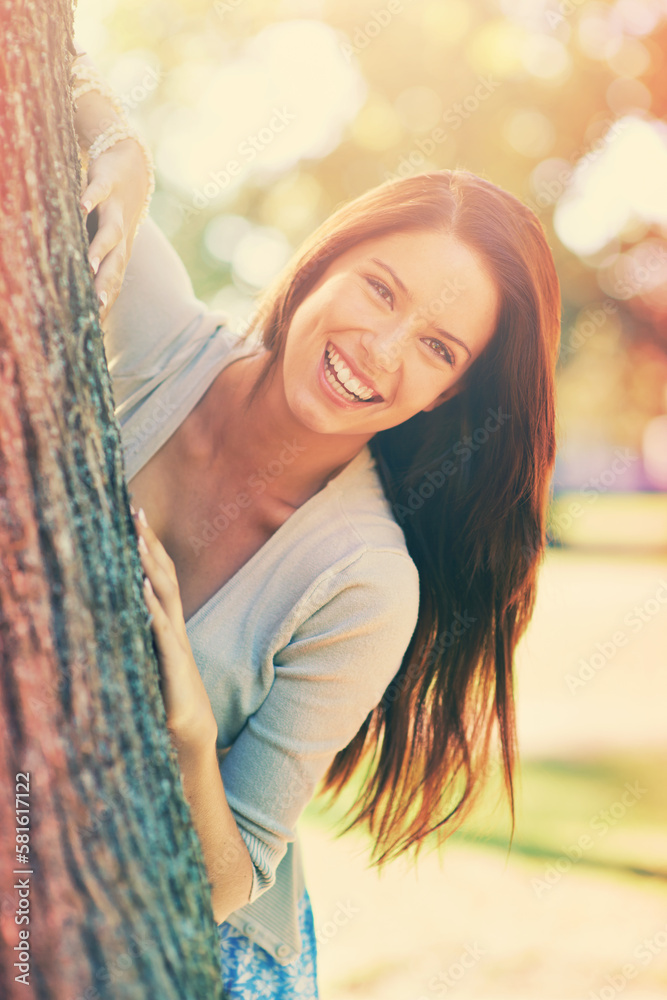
497,88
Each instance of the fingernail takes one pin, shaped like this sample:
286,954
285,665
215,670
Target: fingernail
133,511
95,263
147,585
142,544
86,206
142,516
103,297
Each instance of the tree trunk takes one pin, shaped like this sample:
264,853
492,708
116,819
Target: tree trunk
104,890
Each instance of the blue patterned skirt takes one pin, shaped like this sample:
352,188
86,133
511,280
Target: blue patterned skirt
251,973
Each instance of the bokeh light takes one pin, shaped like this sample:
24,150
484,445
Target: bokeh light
259,255
546,57
530,133
497,47
286,96
625,179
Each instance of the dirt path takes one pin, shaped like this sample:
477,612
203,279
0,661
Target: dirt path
482,927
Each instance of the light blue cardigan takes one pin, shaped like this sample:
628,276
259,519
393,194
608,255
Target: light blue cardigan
301,643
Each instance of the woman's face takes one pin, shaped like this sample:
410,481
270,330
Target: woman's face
388,330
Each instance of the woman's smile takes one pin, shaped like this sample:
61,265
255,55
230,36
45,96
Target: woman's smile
350,386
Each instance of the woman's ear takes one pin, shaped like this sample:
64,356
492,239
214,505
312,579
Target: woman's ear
453,390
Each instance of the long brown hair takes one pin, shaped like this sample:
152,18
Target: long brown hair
469,483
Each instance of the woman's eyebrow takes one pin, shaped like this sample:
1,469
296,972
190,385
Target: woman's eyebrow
381,263
450,336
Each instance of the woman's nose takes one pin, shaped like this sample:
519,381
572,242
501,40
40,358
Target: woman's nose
385,347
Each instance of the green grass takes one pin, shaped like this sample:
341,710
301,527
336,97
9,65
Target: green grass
561,801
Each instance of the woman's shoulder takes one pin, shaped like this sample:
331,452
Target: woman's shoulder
353,540
364,508
156,310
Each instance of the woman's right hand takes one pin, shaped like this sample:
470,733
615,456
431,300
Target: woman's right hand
117,186
190,719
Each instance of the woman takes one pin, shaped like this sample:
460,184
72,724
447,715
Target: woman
344,518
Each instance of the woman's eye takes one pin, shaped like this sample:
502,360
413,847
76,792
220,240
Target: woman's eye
441,350
381,290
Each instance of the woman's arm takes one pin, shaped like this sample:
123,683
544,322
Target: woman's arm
117,185
228,864
193,732
331,674
93,112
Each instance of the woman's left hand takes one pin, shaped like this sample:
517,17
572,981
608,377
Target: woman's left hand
190,718
117,186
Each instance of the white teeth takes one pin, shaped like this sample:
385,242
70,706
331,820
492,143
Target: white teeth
338,387
354,389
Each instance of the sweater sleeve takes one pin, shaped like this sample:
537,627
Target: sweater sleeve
330,675
162,347
156,321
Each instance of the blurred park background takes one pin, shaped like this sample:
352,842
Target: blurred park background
266,116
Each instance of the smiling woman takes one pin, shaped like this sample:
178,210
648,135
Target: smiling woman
438,293
360,606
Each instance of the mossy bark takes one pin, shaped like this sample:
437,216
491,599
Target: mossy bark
113,881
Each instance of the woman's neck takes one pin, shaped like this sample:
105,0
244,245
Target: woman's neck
242,435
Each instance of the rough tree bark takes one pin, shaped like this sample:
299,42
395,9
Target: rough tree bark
104,890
